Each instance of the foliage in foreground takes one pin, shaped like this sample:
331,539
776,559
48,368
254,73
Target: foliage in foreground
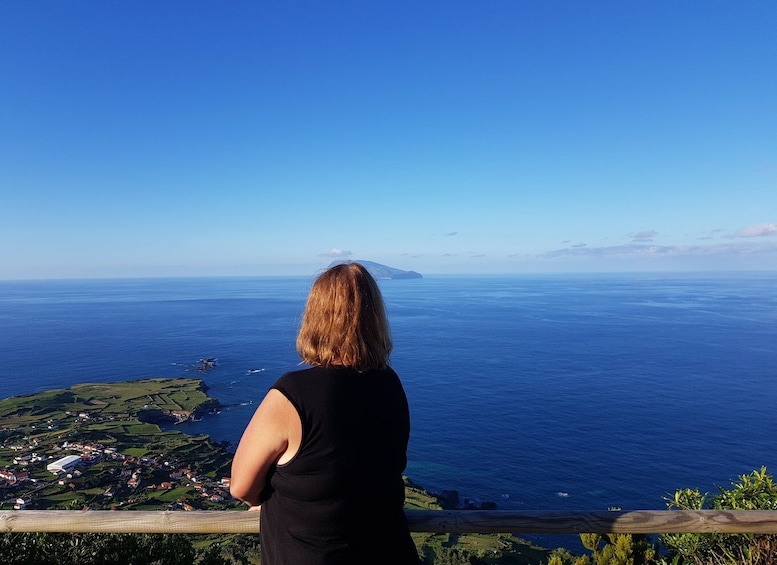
756,491
610,549
95,549
128,549
177,549
477,549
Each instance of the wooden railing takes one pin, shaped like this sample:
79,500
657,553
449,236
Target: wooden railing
440,521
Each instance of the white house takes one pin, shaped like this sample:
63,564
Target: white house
63,465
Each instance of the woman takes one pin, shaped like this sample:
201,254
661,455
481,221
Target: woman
324,453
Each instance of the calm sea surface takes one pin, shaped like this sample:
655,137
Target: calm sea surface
535,392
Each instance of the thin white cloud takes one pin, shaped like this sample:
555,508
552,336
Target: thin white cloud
712,234
648,250
646,235
757,230
335,252
630,249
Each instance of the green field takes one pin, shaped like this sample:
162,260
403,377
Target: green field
107,400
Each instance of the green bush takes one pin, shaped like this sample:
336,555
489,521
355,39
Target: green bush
756,491
96,549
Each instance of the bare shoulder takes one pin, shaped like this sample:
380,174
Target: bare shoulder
275,414
271,433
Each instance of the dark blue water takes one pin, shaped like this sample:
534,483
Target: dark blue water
537,393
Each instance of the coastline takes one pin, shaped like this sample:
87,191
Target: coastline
99,446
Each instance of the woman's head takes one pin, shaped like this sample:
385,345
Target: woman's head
345,321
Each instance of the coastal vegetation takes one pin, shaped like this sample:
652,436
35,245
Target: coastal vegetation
755,491
100,446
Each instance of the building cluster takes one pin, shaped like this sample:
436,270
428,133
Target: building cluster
129,476
13,476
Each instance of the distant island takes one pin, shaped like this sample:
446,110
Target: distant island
379,271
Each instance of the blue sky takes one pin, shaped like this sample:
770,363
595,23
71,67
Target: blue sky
252,138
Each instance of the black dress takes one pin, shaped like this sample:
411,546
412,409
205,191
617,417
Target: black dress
340,499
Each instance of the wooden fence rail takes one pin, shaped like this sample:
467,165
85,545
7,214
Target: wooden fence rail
440,521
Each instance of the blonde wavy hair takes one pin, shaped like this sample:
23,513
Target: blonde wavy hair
345,322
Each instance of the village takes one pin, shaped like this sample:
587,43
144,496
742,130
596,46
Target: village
93,460
123,480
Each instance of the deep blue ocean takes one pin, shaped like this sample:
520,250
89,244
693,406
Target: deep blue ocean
547,393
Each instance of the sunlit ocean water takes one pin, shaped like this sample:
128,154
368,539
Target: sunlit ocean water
548,393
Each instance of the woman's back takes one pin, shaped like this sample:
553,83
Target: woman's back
340,498
325,450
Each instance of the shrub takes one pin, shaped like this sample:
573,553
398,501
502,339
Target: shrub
756,491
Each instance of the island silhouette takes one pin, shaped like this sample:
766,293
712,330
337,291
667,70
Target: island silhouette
379,271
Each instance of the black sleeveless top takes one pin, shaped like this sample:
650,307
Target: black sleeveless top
340,499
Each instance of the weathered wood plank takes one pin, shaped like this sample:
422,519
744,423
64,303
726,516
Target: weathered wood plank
116,522
453,521
634,522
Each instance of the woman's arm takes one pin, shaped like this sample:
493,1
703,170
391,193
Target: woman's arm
274,430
